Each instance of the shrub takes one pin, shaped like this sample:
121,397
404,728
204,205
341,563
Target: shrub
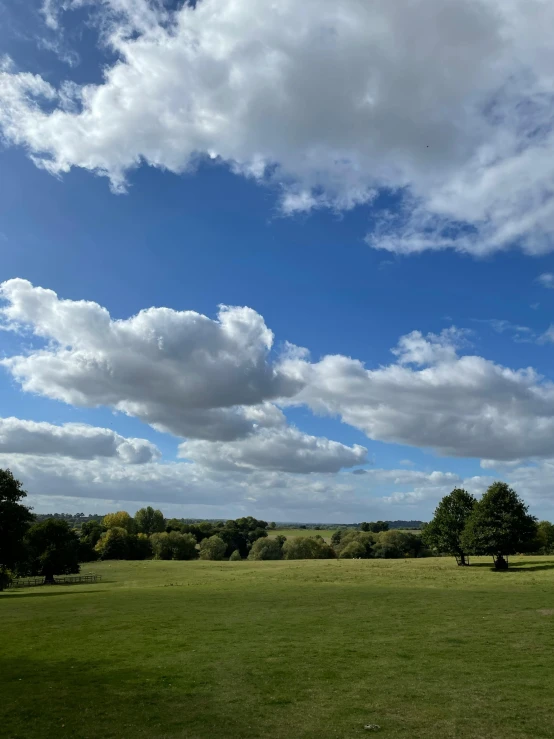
306,548
397,544
364,541
337,536
353,550
235,556
266,549
213,548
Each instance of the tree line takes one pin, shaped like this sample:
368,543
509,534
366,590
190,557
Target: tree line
498,524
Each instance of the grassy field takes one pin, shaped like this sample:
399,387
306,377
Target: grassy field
300,649
295,533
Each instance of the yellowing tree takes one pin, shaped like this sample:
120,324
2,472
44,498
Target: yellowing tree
120,520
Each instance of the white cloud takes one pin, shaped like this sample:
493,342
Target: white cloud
177,370
195,490
463,406
280,449
74,440
214,380
546,280
450,102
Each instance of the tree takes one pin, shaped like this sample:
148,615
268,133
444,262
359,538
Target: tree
272,525
337,536
500,525
173,545
353,550
377,526
545,537
114,544
397,544
91,531
355,544
212,548
121,520
364,526
444,532
174,525
307,548
15,519
266,549
149,521
53,549
235,556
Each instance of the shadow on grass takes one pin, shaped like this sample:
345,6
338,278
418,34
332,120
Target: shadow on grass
531,565
40,592
117,701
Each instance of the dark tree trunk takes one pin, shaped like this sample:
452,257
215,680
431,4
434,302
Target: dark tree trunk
500,563
49,578
461,560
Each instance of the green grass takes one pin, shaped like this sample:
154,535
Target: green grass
295,533
300,649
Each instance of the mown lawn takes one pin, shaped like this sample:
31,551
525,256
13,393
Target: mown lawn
282,649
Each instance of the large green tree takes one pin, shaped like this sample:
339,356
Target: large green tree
53,549
500,525
444,532
15,519
149,521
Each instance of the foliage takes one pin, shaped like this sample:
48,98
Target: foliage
15,519
235,556
53,549
307,548
545,538
397,544
374,526
118,543
174,524
500,525
444,532
356,544
353,550
91,531
337,536
120,520
113,544
213,548
272,525
173,545
6,577
149,521
266,549
87,552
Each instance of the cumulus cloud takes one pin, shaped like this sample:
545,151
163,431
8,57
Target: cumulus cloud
74,440
283,449
201,491
448,102
179,371
462,406
216,381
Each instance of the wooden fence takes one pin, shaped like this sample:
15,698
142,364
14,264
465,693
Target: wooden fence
29,582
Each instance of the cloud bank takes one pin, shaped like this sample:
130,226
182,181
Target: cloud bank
447,104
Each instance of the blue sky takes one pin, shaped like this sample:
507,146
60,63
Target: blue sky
342,236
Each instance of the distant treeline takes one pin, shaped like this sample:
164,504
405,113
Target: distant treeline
77,519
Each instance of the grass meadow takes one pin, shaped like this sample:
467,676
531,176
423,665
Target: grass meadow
298,649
